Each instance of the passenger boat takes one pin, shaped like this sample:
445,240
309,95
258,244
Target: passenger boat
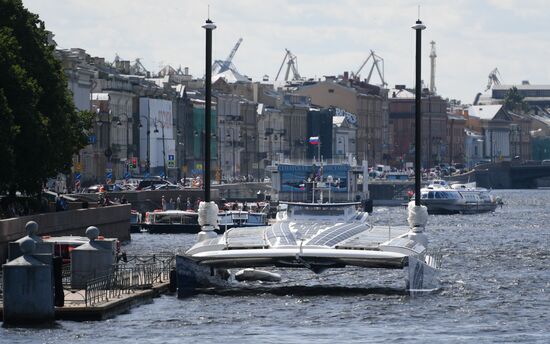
240,218
440,198
314,236
171,221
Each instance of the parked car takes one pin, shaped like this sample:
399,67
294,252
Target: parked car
164,187
150,182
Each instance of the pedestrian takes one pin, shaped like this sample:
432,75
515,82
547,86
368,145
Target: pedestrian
188,203
58,203
178,202
197,203
163,202
171,204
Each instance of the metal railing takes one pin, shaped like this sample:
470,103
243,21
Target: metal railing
131,273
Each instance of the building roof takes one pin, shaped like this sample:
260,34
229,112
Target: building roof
521,87
230,76
487,112
400,93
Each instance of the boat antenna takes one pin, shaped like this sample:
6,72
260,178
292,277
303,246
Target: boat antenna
418,112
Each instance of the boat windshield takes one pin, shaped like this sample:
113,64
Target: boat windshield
441,195
318,210
174,219
256,218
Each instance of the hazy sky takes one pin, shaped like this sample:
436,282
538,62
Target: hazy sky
329,37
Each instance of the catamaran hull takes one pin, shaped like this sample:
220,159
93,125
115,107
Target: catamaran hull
194,274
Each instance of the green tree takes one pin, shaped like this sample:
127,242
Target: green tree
514,101
40,128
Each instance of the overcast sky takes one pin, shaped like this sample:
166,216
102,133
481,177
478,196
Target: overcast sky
472,36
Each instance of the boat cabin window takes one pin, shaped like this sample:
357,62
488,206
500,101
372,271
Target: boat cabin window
441,195
325,211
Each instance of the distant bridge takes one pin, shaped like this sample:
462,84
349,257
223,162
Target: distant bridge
506,175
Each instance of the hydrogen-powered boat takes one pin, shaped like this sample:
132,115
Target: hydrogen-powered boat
310,235
314,236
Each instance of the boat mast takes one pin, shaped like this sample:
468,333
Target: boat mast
418,112
209,26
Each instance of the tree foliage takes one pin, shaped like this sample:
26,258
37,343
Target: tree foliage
514,101
40,128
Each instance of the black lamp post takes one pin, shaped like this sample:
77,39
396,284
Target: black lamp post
119,124
163,146
147,163
418,111
232,137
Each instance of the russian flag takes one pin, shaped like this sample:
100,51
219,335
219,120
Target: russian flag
314,140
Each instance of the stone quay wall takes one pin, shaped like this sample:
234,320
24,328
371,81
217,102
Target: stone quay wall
112,221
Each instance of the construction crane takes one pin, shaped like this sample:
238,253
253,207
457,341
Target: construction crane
377,61
292,64
220,66
138,68
493,79
433,55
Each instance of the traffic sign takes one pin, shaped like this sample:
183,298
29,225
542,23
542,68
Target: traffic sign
109,175
171,157
78,166
171,164
127,175
77,176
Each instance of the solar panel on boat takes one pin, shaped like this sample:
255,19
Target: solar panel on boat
245,237
373,237
281,232
308,230
334,235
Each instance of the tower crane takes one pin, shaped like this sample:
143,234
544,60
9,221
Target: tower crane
220,66
292,64
493,79
378,63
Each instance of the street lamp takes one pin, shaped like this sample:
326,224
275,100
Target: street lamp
232,137
119,124
100,122
163,145
179,133
147,163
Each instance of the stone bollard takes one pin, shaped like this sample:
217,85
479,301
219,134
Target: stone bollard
28,287
41,247
91,260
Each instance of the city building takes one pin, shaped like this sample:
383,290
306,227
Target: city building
367,102
435,129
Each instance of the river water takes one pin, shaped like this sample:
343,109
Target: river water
495,289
